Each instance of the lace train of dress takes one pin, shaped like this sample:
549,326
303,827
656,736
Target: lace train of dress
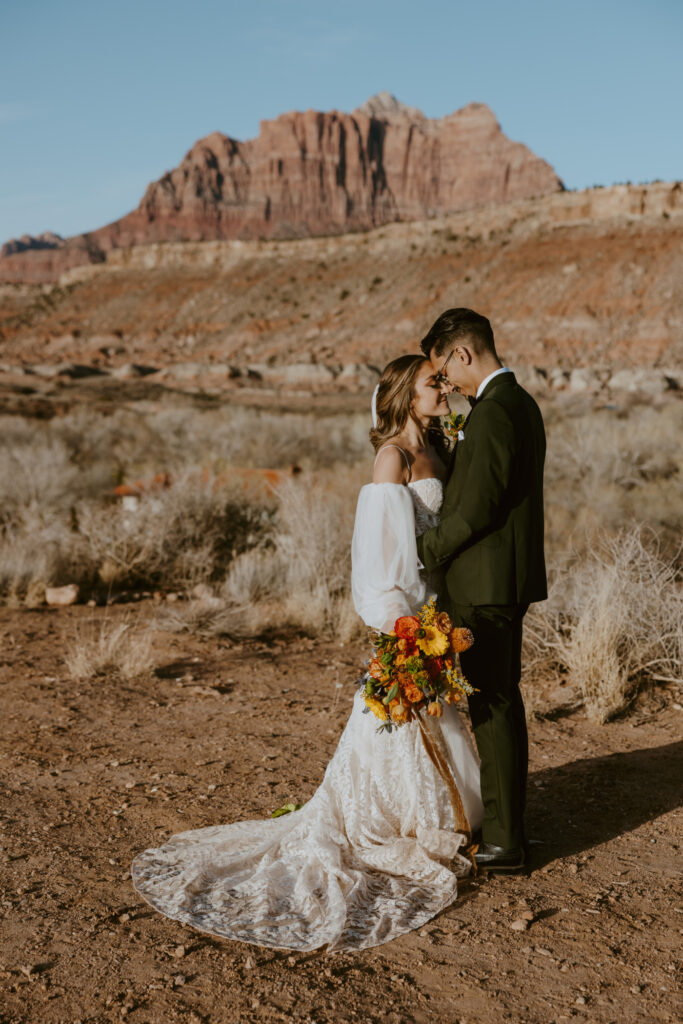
373,853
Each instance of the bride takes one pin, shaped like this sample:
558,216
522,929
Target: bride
375,852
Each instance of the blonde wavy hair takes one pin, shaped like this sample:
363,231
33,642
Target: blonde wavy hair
395,394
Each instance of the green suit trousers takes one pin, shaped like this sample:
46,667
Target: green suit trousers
493,666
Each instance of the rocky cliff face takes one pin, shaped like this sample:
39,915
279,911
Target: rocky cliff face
316,174
572,281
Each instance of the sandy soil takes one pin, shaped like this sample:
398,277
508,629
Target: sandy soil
94,772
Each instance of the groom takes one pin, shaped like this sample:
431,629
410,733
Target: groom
488,547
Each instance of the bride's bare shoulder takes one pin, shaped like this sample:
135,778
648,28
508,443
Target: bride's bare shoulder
391,466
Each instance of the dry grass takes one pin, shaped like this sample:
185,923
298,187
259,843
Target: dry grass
609,626
176,538
300,579
39,551
612,625
115,650
173,539
624,622
609,468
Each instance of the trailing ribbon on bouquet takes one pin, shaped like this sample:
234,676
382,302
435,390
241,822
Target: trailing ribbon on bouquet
461,822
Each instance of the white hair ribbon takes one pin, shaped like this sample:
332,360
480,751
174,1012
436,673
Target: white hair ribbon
373,406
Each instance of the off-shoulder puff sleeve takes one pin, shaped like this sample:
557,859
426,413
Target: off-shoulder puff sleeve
385,576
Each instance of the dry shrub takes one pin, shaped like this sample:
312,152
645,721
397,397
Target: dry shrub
314,543
40,474
304,576
608,468
300,579
38,551
113,649
255,576
247,436
613,623
177,537
543,624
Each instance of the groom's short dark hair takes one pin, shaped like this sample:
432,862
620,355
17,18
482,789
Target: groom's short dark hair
455,326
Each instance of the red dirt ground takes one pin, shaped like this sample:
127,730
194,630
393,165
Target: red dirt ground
94,772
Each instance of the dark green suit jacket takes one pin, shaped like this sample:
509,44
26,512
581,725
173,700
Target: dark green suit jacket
488,546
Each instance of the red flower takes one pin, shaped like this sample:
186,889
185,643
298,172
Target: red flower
435,667
407,626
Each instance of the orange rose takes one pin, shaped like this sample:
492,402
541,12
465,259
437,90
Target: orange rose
376,668
461,639
406,626
409,689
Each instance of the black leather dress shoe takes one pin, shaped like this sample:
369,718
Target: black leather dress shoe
498,858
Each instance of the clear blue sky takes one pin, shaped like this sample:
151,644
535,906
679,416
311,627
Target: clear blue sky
98,99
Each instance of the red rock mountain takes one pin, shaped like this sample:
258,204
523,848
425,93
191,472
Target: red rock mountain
315,174
48,240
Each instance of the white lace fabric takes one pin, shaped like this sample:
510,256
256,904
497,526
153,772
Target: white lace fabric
373,854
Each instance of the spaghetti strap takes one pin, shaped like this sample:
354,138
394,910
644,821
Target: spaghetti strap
410,472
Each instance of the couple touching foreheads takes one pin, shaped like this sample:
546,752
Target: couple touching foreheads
377,850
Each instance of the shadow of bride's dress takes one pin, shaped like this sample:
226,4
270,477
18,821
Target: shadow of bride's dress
373,853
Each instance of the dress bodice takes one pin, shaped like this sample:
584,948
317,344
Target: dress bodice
427,495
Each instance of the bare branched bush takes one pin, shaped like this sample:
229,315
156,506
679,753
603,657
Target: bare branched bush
177,537
37,551
41,475
543,625
607,468
259,437
256,575
614,623
113,649
301,579
313,545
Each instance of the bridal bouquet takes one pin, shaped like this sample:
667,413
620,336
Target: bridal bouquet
415,666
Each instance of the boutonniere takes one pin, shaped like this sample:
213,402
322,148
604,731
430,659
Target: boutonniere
453,424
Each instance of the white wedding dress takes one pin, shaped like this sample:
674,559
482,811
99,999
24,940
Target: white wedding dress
373,854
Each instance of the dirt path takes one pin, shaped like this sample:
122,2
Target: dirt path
93,773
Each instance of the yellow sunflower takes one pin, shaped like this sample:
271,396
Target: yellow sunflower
433,643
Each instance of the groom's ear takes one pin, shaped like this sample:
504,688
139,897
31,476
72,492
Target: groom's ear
464,354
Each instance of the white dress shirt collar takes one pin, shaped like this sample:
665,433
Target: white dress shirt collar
501,369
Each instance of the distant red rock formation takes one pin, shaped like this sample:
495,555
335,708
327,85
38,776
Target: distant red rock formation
315,174
48,240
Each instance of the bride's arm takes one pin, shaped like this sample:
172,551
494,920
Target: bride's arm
385,577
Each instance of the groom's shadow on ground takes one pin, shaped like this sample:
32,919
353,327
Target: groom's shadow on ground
579,805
